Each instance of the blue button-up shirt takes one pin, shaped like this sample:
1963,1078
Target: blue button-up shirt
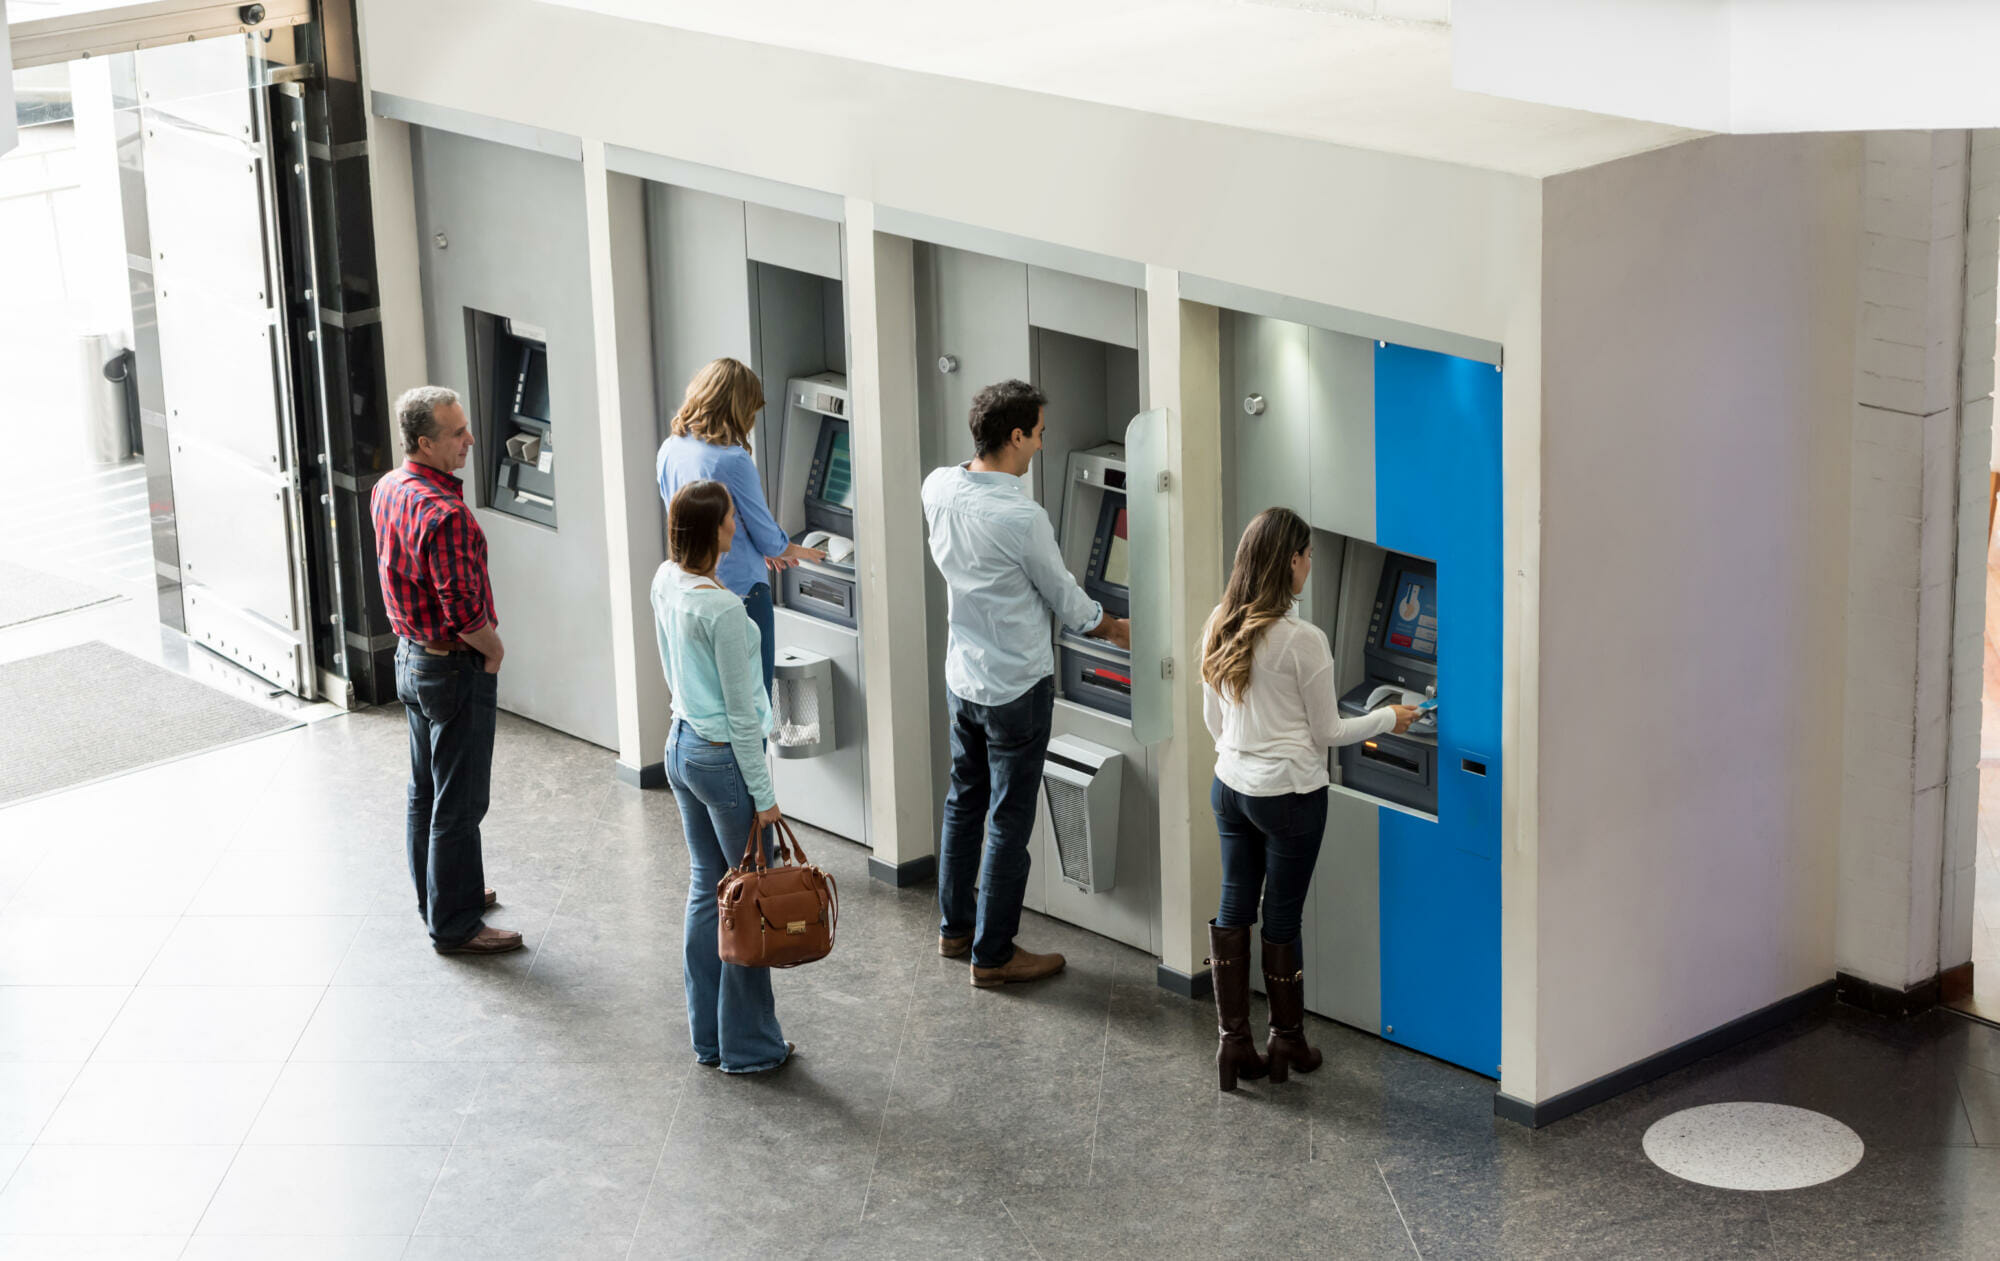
999,557
688,459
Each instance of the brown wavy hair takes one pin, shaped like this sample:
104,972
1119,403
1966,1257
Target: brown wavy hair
721,405
694,522
1258,595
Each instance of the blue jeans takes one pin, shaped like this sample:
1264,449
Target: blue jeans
732,1018
452,705
996,778
758,605
1269,847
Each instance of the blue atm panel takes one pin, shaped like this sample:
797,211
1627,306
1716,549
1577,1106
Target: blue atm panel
1438,495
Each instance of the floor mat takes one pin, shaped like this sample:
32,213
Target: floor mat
91,711
29,594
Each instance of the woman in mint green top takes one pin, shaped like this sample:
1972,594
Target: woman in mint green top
710,650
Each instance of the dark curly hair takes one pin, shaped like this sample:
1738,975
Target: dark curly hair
998,410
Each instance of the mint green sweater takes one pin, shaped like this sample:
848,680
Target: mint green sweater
711,652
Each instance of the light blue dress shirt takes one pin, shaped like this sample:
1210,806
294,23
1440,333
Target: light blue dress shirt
999,558
687,459
710,650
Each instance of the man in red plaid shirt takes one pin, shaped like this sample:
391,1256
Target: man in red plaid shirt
432,557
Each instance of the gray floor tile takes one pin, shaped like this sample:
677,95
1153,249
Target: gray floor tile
11,1156
602,1104
396,950
303,882
1979,1091
324,1191
111,1190
414,1022
154,876
412,1104
29,1093
236,1023
161,1103
519,1248
295,1248
64,950
95,1247
540,1188
1898,1202
253,950
44,1022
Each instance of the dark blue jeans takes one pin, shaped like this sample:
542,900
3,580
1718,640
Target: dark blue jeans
451,702
1269,848
758,605
996,778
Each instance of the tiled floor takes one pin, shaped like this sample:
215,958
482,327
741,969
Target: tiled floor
223,1035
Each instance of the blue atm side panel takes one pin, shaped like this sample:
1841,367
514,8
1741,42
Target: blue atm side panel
1438,495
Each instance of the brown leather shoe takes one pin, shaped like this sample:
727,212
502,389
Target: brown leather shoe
1026,965
955,947
492,899
487,941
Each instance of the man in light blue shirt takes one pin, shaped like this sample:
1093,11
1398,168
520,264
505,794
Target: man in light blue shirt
999,558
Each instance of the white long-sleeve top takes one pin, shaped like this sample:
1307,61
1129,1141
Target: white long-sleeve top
1274,740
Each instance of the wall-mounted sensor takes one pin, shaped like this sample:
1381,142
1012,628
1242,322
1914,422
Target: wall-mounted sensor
440,242
1253,405
947,363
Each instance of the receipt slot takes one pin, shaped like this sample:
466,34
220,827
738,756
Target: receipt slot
1400,654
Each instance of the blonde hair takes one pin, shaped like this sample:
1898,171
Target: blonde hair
1258,596
721,405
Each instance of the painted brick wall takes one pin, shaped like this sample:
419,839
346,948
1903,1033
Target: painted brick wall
1922,406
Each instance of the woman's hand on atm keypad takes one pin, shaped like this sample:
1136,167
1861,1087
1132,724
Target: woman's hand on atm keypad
793,554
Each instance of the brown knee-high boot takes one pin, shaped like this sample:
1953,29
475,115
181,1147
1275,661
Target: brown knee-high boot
1229,958
1285,983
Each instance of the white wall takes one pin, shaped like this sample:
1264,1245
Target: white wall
1697,348
1739,65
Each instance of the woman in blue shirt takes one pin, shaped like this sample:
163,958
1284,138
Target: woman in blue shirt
711,442
716,767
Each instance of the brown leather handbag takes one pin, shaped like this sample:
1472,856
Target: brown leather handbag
776,916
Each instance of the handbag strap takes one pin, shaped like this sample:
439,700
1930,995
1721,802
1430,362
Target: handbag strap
788,847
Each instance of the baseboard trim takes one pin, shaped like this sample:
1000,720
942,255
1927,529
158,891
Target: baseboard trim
1955,984
1198,986
650,776
1885,1000
1674,1058
919,870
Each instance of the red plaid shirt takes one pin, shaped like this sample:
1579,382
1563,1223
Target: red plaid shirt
432,555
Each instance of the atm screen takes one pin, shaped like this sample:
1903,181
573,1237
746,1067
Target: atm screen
833,482
1117,568
533,385
1412,624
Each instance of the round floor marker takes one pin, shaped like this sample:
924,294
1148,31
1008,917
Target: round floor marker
1753,1146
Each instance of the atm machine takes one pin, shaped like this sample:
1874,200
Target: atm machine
1098,869
514,432
1401,652
819,741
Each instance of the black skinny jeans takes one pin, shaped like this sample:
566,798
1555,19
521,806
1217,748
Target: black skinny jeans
1269,848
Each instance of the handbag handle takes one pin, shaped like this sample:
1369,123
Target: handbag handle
788,846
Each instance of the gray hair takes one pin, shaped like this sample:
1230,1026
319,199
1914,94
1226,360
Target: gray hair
416,412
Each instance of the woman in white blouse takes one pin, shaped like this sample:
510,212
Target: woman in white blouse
1271,701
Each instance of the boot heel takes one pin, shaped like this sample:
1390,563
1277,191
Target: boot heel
1280,1069
1227,1069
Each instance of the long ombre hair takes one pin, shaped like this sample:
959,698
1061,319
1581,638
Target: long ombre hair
1259,595
721,405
